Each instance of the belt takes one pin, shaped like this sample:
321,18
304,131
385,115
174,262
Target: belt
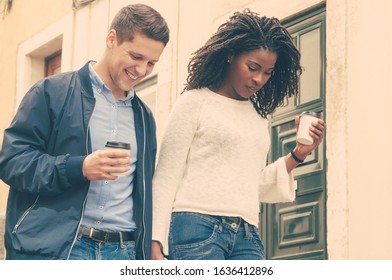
104,236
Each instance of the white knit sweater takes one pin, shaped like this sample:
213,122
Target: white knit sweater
212,161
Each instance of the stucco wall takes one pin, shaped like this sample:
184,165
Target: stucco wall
358,104
336,133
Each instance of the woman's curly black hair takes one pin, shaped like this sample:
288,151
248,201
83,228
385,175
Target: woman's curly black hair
244,32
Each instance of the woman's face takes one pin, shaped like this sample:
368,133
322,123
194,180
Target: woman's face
248,73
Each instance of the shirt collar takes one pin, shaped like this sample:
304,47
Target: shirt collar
97,83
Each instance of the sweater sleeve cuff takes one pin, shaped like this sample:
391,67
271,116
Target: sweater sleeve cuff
277,185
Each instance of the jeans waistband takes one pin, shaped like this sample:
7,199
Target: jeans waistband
230,222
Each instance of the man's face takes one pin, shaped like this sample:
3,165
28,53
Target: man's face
130,62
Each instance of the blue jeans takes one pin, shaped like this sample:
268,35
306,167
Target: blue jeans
196,236
88,249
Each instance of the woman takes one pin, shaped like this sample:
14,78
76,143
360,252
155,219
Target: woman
211,173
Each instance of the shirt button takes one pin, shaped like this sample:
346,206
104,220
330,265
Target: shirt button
106,182
101,207
98,222
113,106
233,225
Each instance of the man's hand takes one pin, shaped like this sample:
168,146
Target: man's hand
100,164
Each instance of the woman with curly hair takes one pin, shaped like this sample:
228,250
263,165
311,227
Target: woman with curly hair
211,174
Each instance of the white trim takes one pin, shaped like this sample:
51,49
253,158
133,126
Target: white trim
32,52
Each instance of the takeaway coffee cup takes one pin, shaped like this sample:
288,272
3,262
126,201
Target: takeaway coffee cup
118,145
305,122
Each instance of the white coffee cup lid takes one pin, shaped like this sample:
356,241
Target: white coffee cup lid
310,113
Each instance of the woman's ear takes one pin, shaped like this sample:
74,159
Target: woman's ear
230,56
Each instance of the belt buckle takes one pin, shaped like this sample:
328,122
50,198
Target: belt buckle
95,238
91,233
121,240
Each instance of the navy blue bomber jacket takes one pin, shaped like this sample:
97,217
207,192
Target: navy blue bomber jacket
41,160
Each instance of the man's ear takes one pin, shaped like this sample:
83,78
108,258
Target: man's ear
111,38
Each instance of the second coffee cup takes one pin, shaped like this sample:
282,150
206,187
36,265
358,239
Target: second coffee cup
118,145
305,122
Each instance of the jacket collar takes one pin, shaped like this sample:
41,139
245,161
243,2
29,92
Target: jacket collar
84,75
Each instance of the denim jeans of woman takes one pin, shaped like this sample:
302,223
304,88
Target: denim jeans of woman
196,236
88,249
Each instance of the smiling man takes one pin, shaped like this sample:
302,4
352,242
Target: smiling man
65,201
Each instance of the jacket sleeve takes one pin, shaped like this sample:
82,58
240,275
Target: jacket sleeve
25,164
276,185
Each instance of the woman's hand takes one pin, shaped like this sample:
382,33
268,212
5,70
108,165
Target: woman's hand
156,251
301,151
316,131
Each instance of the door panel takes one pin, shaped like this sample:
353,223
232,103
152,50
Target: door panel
309,43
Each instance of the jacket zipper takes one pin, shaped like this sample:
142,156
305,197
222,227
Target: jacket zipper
85,198
144,184
77,231
24,216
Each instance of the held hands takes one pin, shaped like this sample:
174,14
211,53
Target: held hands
100,164
316,131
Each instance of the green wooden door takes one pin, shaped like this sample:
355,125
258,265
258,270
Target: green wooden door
298,230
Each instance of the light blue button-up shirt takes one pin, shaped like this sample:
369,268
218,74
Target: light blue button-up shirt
109,203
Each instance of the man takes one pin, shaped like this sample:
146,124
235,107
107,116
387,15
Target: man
65,201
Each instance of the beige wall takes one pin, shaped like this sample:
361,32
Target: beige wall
369,106
359,99
359,44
